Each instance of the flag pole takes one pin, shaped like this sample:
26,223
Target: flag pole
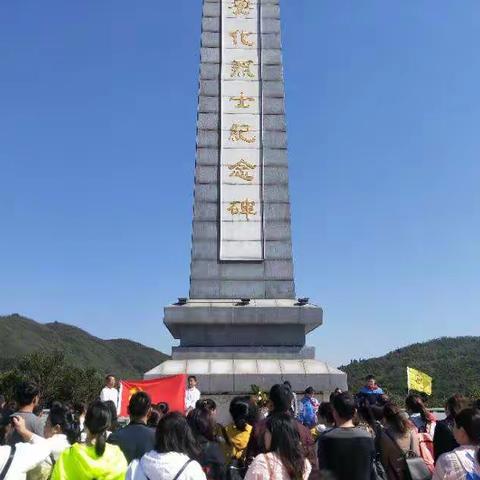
408,381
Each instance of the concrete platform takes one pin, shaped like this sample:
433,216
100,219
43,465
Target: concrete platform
235,377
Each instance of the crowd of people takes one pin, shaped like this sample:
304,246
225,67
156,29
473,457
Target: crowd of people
351,437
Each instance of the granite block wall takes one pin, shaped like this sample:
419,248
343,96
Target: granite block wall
272,278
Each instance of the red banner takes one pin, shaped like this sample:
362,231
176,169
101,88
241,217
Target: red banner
170,390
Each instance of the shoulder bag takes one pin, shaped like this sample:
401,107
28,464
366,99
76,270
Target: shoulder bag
7,465
378,471
187,463
415,466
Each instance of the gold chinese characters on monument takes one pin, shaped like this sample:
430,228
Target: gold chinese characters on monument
242,101
245,207
243,35
242,170
241,7
242,69
239,131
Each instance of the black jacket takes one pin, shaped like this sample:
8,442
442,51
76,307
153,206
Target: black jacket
134,440
443,439
348,453
212,459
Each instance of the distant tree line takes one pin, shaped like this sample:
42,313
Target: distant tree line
56,377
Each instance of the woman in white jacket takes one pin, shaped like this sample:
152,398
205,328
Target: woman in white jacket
16,461
59,434
174,454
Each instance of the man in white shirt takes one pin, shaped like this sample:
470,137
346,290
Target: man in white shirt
192,394
109,392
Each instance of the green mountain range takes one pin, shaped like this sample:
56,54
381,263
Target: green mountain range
453,363
125,359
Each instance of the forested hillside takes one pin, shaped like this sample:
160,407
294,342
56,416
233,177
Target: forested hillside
454,364
20,336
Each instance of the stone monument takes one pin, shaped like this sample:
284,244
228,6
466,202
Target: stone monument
242,323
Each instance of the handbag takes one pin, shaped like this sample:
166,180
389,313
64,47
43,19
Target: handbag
415,466
236,470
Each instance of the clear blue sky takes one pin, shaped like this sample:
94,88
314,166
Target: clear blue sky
97,146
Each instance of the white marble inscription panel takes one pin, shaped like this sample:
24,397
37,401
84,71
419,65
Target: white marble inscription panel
241,165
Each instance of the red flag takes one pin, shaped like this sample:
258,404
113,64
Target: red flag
170,390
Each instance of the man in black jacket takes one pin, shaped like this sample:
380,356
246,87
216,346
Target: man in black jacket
346,451
136,438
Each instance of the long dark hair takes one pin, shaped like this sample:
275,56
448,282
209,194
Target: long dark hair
365,415
62,417
175,435
286,443
469,420
414,403
97,421
395,418
240,412
114,425
202,424
455,404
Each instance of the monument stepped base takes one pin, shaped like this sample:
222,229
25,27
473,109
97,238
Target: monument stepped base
235,377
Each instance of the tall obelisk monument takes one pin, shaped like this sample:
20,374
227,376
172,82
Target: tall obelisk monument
242,323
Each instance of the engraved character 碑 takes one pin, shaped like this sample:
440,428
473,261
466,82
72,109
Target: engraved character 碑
245,207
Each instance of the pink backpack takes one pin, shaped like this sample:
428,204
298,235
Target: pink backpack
425,441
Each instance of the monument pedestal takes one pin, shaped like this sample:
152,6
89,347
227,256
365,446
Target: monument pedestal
230,345
228,377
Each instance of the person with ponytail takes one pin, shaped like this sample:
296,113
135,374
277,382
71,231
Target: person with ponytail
285,459
96,458
463,463
237,434
211,456
211,406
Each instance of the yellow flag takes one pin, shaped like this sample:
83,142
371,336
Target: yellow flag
419,381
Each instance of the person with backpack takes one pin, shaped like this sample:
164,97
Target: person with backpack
174,456
308,409
397,439
463,463
96,458
425,423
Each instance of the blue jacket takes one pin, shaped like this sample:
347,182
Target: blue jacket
370,396
307,413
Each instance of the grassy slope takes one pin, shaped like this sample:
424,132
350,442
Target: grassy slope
20,336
